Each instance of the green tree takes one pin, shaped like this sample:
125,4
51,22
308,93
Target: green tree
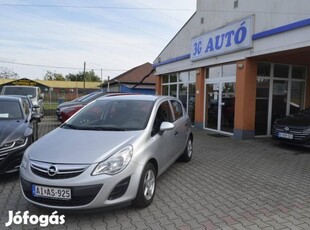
89,76
50,76
7,73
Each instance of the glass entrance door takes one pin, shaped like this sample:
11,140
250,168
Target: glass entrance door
220,106
279,99
212,105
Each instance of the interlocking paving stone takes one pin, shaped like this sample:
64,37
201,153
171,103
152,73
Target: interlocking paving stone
229,184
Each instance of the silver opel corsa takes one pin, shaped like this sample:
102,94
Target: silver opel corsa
109,153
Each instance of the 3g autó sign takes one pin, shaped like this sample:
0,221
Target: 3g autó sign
232,37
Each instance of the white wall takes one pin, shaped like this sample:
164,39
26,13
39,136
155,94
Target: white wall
268,14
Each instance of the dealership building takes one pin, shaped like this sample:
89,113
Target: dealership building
238,65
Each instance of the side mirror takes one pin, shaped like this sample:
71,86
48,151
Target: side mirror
35,116
35,107
41,96
165,126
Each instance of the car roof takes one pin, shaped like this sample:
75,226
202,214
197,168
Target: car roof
21,96
135,97
21,86
9,98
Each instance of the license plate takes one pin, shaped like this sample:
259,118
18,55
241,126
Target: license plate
51,192
286,135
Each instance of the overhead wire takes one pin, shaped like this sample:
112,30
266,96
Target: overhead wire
58,67
89,7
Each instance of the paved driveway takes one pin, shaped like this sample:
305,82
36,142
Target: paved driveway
229,184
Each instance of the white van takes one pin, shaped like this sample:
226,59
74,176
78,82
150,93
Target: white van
33,92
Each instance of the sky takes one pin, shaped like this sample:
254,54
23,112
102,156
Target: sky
110,36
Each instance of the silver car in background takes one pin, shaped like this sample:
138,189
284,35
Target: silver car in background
109,153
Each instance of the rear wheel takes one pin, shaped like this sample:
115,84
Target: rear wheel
147,187
188,152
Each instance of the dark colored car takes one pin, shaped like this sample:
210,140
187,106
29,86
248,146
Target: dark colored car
81,101
36,117
293,129
68,111
17,131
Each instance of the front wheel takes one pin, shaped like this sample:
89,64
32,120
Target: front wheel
147,187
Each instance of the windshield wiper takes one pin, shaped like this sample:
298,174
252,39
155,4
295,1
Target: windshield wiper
105,128
69,126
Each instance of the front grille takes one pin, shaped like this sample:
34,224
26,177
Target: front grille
60,171
80,195
10,161
299,135
3,156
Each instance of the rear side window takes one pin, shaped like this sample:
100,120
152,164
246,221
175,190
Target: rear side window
163,114
177,109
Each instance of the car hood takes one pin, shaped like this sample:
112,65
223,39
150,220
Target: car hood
11,130
69,146
297,120
68,103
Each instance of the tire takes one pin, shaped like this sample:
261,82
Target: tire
36,133
147,187
188,151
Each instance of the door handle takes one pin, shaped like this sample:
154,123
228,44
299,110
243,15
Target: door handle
176,133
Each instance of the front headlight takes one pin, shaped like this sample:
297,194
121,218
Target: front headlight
25,160
14,145
116,163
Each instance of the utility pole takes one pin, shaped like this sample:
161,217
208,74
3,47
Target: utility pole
84,75
108,83
101,80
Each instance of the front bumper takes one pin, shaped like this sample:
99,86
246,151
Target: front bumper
299,137
87,192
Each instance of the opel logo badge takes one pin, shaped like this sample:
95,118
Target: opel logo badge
286,128
52,170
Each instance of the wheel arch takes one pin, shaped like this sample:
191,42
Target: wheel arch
153,161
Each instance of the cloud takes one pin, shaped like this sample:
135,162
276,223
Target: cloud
108,39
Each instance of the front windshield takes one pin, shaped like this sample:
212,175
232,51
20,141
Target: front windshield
10,110
114,115
30,92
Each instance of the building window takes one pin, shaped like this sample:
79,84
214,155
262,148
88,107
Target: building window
235,4
280,91
182,86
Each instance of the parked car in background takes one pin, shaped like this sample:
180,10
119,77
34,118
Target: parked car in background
36,117
75,104
109,153
33,92
68,111
17,131
293,129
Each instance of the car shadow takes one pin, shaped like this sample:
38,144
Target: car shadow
295,149
4,178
